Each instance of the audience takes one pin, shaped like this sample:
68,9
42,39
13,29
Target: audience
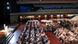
32,34
65,30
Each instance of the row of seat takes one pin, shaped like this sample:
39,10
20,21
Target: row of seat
33,34
64,31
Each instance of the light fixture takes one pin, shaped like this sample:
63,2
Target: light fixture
51,16
70,15
21,17
45,16
8,7
58,15
7,3
30,16
61,15
39,16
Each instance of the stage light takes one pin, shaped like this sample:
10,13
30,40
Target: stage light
70,15
51,16
61,15
58,15
30,16
45,16
7,3
21,17
39,16
8,7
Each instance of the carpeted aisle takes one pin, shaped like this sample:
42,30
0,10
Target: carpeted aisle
53,39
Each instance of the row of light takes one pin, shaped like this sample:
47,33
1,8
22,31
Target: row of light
39,16
69,15
8,6
50,16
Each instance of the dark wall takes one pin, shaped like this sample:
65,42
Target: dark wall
4,12
1,14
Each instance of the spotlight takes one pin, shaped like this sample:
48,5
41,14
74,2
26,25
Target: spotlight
7,3
61,15
58,15
45,16
8,7
39,16
51,16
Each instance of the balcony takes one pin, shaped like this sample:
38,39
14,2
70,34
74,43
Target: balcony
46,1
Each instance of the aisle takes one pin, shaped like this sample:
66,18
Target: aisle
52,38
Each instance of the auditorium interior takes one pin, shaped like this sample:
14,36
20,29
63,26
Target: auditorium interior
38,21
